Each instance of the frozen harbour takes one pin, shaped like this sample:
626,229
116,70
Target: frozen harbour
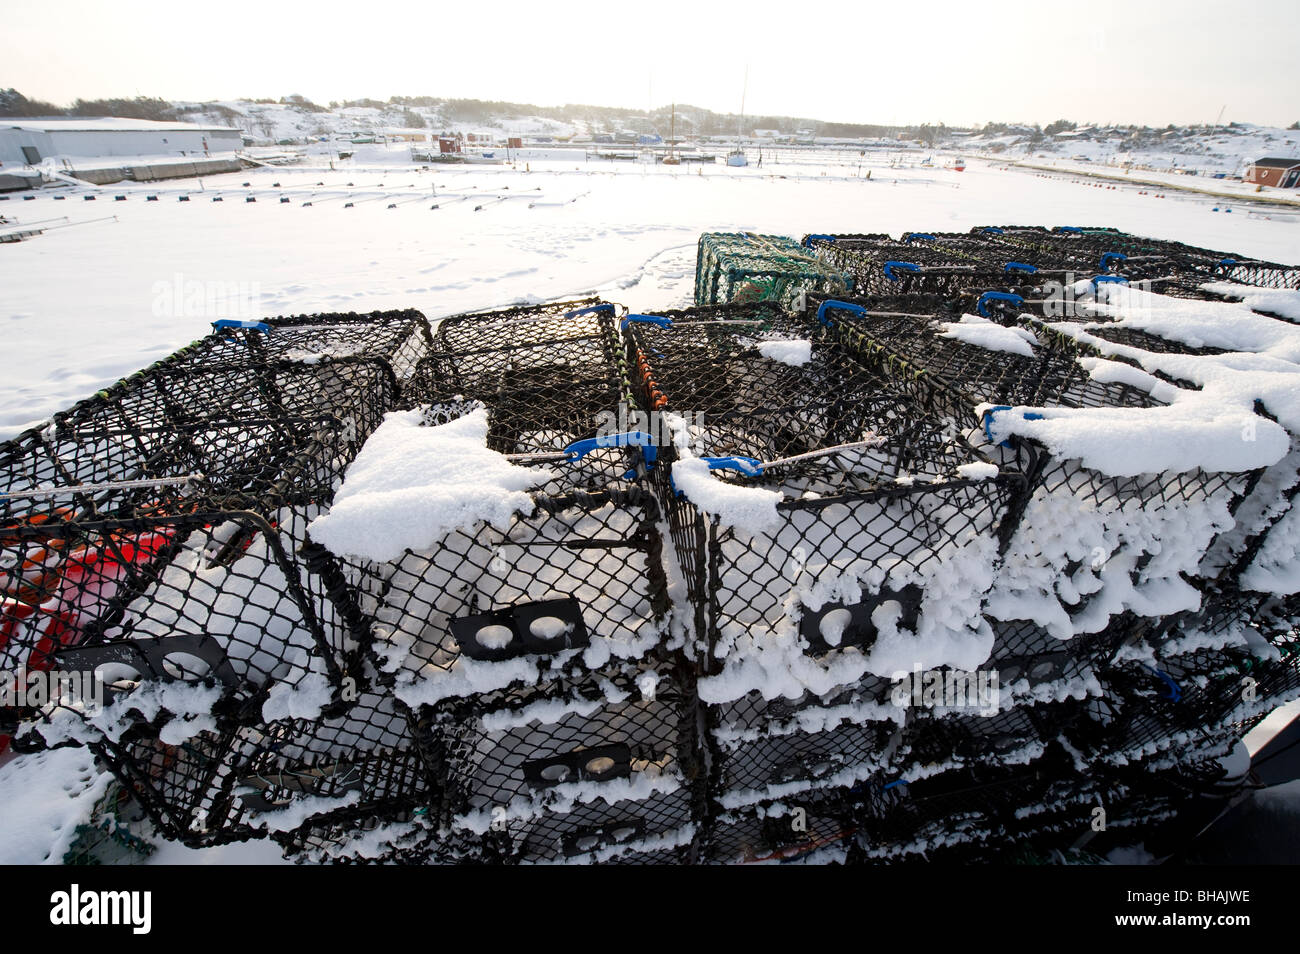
547,228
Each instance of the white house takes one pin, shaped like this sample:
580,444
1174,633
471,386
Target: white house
29,141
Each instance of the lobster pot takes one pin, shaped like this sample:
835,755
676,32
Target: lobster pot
942,739
595,768
746,267
866,532
273,778
570,583
1035,666
193,585
1085,540
969,814
888,267
817,828
762,749
397,339
1177,257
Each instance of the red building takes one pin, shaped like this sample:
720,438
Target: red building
1283,173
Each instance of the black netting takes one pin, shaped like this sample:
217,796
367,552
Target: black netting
589,769
271,778
748,267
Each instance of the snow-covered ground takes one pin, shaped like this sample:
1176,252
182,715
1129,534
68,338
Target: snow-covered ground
113,285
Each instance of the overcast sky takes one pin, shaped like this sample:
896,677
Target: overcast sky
962,63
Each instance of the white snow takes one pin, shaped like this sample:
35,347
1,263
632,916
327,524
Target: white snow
794,352
1277,301
411,484
980,331
733,504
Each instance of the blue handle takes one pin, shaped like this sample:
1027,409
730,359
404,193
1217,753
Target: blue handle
905,266
592,310
261,326
1108,280
749,466
995,411
894,784
924,236
1173,693
992,230
1228,261
982,305
809,239
1109,257
1020,267
1069,228
659,320
842,305
580,449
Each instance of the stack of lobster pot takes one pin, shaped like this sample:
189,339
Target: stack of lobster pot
837,540
525,627
748,267
157,561
1100,562
1224,663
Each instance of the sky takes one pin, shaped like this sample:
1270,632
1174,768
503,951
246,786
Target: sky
1148,62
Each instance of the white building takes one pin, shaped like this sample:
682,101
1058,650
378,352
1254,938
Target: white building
29,141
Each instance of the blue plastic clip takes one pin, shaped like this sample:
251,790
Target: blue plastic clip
221,323
992,230
1019,267
924,236
894,784
1108,257
1228,262
809,239
982,305
994,412
749,466
1108,280
1069,228
1173,693
905,266
843,305
659,320
592,310
649,451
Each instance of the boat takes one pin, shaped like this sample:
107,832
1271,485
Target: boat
671,159
736,157
957,165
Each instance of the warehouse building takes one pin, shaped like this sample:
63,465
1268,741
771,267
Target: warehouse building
30,141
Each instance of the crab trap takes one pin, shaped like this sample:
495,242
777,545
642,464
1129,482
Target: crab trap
572,577
1144,530
886,267
582,770
748,267
146,561
202,786
1168,257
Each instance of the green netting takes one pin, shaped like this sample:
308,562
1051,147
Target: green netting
748,267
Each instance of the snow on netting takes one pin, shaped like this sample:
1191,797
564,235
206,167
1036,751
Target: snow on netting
986,812
160,529
1220,350
1089,244
213,785
1093,540
496,534
748,267
813,829
592,768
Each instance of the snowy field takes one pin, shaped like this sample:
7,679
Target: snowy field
92,299
96,296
